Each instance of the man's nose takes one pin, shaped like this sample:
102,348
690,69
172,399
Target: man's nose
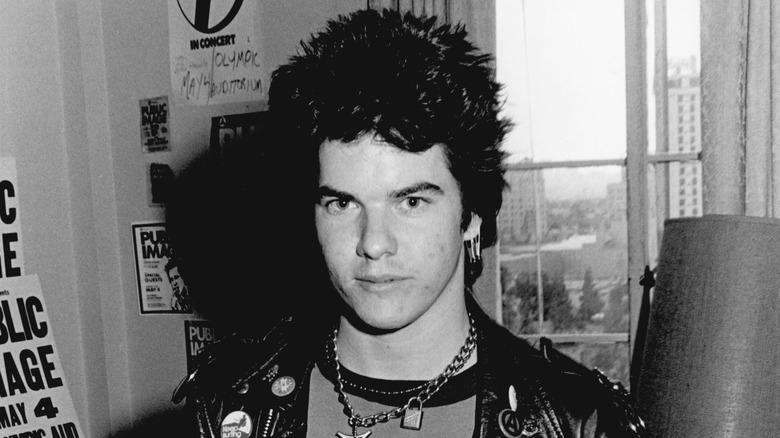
377,238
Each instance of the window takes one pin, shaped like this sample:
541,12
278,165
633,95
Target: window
582,178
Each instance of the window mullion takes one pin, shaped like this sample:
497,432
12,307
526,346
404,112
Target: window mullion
661,117
636,161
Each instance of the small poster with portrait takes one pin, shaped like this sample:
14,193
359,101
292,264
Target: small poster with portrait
161,287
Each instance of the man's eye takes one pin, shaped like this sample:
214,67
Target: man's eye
413,203
339,205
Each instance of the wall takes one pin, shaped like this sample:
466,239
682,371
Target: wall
72,73
71,76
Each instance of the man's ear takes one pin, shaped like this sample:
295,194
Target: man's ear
473,229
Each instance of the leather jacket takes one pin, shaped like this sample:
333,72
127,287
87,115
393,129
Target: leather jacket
556,396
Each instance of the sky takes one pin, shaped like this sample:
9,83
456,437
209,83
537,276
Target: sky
563,66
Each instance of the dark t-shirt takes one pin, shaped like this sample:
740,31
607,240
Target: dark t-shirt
451,412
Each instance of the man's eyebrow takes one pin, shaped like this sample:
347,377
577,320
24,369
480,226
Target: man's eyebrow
330,192
416,188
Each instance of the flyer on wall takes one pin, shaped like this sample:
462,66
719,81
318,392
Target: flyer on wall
34,396
161,288
214,51
155,133
11,254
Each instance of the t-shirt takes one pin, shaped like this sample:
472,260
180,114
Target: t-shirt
450,412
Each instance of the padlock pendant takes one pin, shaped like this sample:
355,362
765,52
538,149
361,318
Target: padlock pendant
412,417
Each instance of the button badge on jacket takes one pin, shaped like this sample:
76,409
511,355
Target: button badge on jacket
510,423
236,424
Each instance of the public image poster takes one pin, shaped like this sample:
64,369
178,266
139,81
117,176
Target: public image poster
161,287
198,335
34,398
11,256
215,52
155,134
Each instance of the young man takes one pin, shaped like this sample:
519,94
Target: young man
398,117
180,296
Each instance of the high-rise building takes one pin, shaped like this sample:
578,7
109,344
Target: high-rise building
685,197
616,199
517,218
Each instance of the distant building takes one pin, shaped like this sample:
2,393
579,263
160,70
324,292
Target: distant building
616,199
604,255
685,198
517,218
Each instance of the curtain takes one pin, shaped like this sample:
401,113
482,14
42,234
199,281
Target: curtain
440,8
478,16
740,90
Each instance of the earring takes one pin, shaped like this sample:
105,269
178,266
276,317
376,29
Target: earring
473,249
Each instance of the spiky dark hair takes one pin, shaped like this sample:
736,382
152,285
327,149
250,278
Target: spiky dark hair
412,82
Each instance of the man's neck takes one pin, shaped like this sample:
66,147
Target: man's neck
419,351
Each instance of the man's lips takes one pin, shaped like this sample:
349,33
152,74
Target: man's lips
378,281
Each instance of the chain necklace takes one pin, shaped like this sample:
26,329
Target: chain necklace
412,414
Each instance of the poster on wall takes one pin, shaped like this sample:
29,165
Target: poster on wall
34,396
161,288
155,134
11,256
234,131
198,334
214,52
161,184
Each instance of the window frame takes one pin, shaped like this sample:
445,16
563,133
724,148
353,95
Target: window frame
637,162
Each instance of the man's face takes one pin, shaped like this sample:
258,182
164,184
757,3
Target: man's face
177,283
389,224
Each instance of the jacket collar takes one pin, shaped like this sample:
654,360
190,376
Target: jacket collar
511,401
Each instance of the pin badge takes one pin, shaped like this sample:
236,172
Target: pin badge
510,423
271,373
507,419
512,398
283,386
243,389
236,424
